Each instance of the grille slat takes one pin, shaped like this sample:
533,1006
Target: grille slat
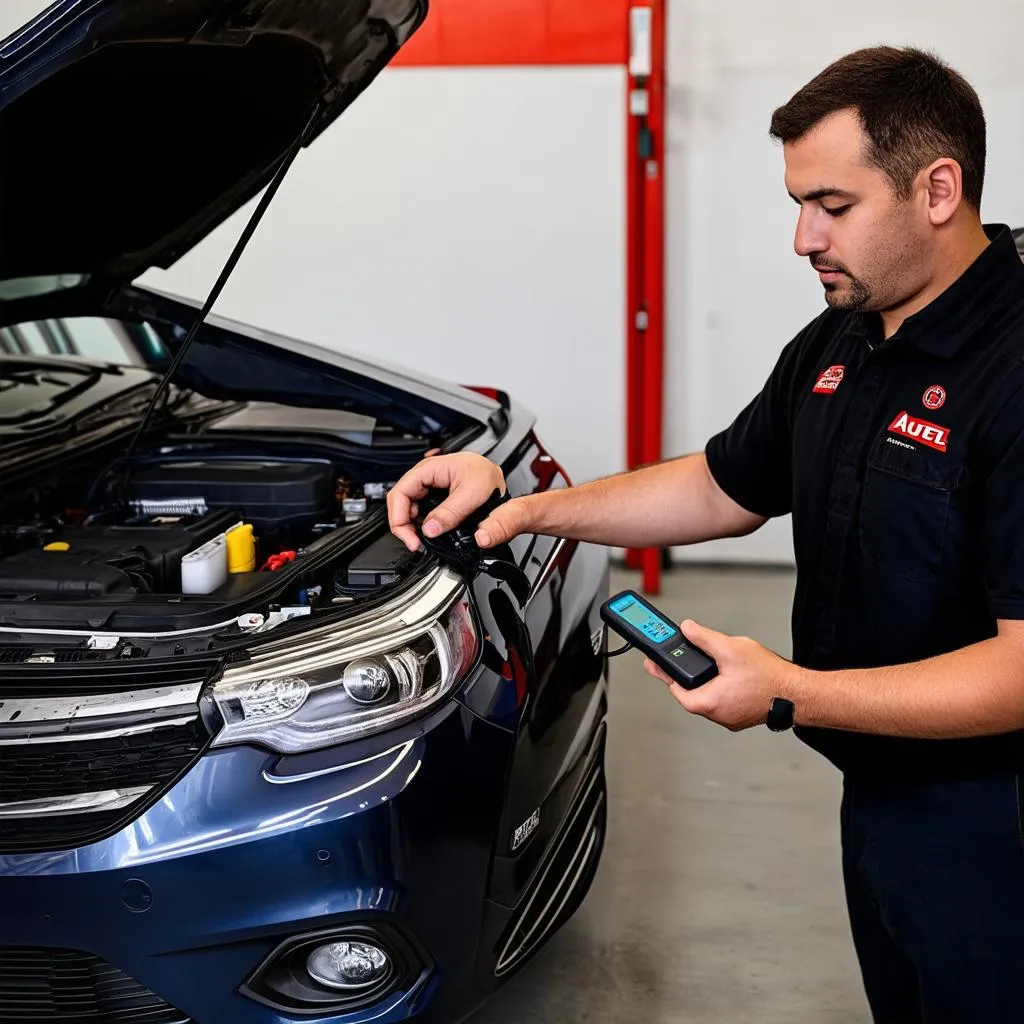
152,760
85,678
47,986
38,771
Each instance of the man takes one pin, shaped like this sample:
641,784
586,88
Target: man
892,428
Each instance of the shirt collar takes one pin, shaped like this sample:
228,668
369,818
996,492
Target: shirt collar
945,325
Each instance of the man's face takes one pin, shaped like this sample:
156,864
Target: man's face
870,249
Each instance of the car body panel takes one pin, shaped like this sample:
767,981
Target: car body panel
414,827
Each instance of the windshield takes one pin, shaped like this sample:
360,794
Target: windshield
88,337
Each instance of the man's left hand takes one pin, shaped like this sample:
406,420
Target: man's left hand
749,676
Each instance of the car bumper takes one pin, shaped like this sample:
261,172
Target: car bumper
250,850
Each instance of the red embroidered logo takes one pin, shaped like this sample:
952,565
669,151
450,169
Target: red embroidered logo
935,397
829,380
921,430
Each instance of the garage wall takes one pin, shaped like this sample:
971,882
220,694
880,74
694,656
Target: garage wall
465,223
737,293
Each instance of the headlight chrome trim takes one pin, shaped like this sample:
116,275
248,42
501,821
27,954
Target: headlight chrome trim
428,638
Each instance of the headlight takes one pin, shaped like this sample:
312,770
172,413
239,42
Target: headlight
328,687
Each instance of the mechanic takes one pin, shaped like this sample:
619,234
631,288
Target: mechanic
892,429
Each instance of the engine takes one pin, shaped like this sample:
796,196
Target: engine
186,527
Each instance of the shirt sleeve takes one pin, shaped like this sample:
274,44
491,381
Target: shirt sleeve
751,460
1003,518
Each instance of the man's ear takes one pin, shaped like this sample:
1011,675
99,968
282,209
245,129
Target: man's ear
943,184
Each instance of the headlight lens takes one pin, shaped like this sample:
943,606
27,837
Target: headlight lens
332,692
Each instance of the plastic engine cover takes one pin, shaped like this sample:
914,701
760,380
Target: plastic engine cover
267,493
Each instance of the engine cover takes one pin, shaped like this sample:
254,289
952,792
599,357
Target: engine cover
142,556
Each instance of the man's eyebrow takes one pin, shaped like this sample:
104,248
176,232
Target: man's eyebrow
822,193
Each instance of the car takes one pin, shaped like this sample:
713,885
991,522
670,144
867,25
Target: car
258,761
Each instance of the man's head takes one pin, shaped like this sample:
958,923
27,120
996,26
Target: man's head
885,153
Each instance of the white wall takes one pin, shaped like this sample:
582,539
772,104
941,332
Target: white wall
737,291
467,223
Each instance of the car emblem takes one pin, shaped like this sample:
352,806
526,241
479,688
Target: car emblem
935,397
829,381
596,639
526,830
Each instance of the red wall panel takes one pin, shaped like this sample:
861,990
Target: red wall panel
511,32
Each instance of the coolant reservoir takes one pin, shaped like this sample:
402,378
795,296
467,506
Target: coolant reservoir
205,569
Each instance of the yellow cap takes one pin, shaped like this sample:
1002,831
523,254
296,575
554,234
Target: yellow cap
241,548
58,545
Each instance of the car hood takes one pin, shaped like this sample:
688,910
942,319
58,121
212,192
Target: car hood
131,128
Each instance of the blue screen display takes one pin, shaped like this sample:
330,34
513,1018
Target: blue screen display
654,627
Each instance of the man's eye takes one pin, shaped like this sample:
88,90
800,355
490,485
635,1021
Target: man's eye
836,211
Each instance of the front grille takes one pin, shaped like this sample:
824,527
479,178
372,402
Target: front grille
31,771
40,986
64,655
85,678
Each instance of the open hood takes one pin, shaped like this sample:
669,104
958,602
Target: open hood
131,128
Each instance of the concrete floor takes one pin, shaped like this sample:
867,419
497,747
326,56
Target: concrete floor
719,898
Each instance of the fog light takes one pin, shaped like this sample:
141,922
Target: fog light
367,682
348,965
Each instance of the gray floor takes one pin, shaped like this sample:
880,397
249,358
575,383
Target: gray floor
719,898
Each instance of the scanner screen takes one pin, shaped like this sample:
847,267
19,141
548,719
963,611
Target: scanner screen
654,627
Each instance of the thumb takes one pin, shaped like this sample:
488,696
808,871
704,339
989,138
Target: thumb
502,525
710,641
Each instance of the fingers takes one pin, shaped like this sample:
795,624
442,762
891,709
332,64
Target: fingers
403,498
502,525
708,640
465,497
469,479
690,700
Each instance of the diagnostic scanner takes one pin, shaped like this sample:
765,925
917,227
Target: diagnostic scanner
657,636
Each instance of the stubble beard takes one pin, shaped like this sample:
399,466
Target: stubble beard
856,296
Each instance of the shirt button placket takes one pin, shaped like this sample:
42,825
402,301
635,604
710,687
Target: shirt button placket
843,496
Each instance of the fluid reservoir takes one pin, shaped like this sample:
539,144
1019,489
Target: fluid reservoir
241,548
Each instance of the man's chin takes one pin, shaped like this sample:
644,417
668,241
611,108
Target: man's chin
848,299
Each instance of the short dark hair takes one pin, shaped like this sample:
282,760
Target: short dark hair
913,107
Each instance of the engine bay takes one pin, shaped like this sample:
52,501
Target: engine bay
275,534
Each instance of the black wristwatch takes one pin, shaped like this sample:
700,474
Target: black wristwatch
780,714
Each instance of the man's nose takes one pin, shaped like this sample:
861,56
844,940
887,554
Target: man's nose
809,237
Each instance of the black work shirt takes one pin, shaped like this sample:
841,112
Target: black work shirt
902,463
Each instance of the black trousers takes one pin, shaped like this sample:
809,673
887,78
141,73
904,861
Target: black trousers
934,876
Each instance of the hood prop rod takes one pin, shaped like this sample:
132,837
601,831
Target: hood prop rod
236,254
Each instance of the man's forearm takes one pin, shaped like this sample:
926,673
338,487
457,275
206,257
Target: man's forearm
976,691
673,502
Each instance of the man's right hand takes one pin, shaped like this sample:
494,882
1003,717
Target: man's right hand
470,480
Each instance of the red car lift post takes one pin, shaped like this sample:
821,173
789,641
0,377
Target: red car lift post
645,253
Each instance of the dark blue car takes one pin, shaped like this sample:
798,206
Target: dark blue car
258,762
